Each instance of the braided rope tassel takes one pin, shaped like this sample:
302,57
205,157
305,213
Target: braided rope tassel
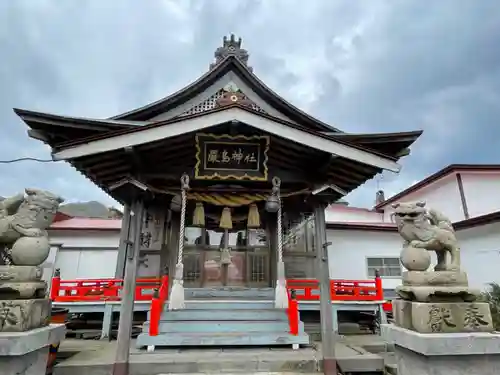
281,295
176,301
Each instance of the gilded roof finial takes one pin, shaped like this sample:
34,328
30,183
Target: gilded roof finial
231,47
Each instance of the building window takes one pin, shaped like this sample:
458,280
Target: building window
387,267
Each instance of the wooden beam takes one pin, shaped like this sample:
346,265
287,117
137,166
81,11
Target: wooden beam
64,124
87,161
134,159
38,135
124,238
152,133
325,162
117,171
111,164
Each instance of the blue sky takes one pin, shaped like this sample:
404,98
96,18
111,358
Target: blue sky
363,66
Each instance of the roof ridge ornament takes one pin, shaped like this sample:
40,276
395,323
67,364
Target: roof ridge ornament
231,47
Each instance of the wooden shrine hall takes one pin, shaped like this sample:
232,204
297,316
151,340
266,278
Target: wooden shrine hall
213,176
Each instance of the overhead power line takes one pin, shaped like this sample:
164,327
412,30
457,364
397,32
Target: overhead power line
27,159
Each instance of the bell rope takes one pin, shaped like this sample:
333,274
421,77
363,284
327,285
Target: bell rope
281,294
176,301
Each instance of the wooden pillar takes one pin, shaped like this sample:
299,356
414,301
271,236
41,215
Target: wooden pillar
326,310
165,247
271,234
107,322
122,246
120,366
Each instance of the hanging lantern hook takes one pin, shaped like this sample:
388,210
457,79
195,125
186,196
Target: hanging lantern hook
185,182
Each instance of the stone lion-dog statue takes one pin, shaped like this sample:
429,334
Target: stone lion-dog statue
430,230
24,220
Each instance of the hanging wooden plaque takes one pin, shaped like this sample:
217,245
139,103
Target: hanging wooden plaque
226,157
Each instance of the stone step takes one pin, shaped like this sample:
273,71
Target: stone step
229,293
241,360
224,314
210,326
221,339
226,305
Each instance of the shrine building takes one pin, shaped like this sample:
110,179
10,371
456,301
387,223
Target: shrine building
213,178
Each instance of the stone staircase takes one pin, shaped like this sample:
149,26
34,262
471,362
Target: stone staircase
224,317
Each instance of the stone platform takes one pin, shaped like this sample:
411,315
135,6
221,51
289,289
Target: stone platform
444,353
99,359
26,353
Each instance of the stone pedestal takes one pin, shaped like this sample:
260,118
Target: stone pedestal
442,317
441,328
25,333
23,305
444,353
429,286
26,353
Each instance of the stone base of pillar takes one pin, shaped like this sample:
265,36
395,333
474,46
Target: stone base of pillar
444,353
27,352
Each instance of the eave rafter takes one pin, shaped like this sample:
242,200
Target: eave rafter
147,166
259,121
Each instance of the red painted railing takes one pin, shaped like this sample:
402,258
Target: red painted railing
157,307
293,313
340,290
92,290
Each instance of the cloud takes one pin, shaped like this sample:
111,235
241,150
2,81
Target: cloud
377,66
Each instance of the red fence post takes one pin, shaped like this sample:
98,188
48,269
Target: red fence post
164,288
293,313
55,285
378,286
154,314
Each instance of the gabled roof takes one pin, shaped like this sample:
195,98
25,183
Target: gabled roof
164,129
396,144
490,218
452,168
56,130
229,63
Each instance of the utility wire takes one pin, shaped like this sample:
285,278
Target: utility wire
27,159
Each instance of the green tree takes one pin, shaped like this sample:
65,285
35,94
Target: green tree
492,296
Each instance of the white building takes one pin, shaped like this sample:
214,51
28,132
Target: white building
362,240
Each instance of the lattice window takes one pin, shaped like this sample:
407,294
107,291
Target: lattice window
258,269
192,269
388,267
210,103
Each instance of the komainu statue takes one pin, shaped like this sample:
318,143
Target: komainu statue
24,220
24,246
439,300
430,230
